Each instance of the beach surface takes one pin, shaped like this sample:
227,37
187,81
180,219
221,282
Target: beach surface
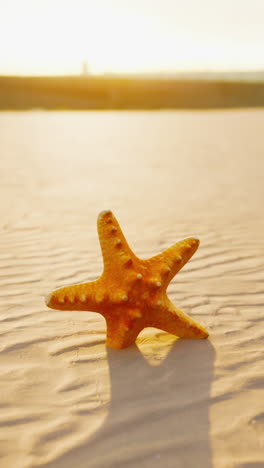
67,400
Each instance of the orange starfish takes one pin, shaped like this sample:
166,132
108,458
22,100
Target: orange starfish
131,293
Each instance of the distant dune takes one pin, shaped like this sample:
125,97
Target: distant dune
114,92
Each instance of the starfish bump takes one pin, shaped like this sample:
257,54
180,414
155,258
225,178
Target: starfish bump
131,292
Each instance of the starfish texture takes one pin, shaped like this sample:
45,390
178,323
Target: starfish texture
131,292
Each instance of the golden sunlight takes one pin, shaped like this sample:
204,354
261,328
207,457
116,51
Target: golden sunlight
55,36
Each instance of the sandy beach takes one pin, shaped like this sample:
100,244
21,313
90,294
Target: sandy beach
67,400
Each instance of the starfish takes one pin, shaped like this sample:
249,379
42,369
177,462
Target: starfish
131,292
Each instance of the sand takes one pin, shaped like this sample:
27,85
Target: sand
68,401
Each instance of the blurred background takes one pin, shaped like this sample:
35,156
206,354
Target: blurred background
123,54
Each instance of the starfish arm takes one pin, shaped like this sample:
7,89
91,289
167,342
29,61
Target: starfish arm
84,296
115,249
171,260
176,322
122,331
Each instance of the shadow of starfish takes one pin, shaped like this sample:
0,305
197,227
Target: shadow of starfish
158,414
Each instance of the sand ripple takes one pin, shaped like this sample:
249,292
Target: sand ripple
68,401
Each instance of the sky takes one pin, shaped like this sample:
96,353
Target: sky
54,37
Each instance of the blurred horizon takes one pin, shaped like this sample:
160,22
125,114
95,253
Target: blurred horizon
120,37
132,92
258,72
230,75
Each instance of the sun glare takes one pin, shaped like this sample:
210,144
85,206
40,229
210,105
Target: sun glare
55,37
